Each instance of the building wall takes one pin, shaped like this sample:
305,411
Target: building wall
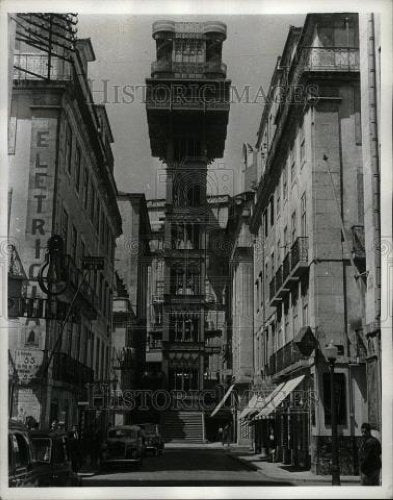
48,130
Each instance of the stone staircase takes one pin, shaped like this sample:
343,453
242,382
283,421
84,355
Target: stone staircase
182,426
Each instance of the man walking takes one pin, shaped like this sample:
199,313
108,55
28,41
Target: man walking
370,458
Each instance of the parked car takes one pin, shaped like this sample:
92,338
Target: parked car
21,470
153,439
52,459
123,445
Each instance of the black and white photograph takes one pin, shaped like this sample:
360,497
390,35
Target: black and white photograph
197,260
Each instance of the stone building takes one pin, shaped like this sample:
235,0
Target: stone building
60,183
309,256
370,79
132,263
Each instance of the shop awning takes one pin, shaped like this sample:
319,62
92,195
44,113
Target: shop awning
280,394
222,402
250,407
257,402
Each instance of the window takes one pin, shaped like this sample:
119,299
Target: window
257,294
303,215
77,168
65,228
68,154
85,188
293,227
278,200
261,282
340,397
69,339
97,216
102,229
265,223
74,243
272,263
101,291
97,358
272,210
278,252
92,202
82,250
285,242
302,147
305,315
85,347
292,164
285,182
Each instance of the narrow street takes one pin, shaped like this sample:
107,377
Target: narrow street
190,467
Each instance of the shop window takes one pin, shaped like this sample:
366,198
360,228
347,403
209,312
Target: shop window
341,399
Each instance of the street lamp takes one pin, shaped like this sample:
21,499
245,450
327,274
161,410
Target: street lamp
331,355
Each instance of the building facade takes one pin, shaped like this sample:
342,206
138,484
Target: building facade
309,251
60,183
187,110
370,79
132,263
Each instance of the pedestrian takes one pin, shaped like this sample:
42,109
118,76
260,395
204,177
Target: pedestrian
221,435
370,457
272,444
229,434
74,448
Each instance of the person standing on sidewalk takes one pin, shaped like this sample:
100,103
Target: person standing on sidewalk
74,448
370,458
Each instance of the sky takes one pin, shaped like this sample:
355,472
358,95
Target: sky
124,50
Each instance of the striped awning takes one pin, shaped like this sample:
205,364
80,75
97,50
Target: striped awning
279,394
222,402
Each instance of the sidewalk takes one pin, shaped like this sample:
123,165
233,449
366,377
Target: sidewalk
284,472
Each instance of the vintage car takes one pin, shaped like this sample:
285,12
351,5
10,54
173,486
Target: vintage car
123,445
21,470
52,459
153,439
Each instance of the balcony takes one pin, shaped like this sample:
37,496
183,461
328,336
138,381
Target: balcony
35,307
285,357
330,58
299,256
71,371
87,296
168,68
294,265
35,67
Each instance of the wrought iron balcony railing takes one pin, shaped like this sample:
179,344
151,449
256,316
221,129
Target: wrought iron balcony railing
299,253
35,307
285,357
331,58
189,68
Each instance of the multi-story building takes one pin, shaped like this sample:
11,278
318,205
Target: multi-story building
187,110
60,183
370,79
132,263
309,258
